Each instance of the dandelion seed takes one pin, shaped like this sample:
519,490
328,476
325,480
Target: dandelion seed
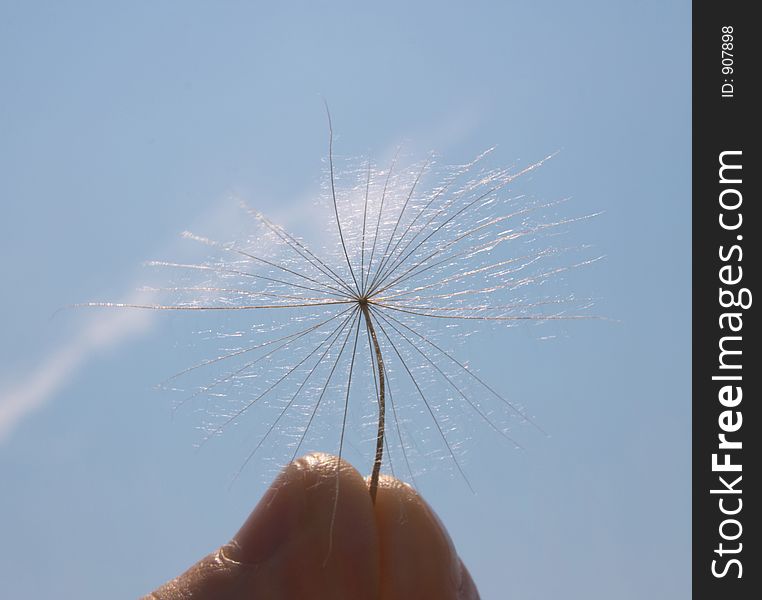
417,257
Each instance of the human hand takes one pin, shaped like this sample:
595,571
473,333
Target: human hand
288,549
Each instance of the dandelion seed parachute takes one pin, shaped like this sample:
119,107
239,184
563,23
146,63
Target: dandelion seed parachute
414,257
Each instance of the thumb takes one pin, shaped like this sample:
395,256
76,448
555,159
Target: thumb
301,541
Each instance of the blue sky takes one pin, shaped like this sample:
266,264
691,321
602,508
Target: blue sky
122,125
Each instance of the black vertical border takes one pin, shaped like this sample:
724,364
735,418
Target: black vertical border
725,124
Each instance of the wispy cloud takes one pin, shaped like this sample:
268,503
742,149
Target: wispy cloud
33,391
30,392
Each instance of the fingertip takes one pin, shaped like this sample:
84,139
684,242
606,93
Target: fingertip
315,530
418,559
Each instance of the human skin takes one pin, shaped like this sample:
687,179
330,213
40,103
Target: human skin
300,542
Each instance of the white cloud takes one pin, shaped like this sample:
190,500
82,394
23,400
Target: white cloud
32,392
109,328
